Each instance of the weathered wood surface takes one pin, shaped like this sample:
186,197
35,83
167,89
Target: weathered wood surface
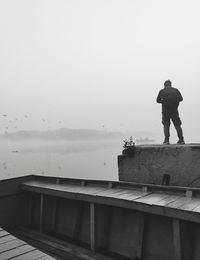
13,248
176,206
111,184
63,249
11,186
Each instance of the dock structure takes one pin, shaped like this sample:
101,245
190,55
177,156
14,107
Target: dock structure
150,216
14,248
104,220
149,163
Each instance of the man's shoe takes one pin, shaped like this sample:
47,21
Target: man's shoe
181,141
166,141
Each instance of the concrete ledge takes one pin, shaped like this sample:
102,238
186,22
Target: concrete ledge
151,162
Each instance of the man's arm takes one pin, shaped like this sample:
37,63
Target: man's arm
180,98
159,97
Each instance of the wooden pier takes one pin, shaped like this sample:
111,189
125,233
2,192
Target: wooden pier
14,248
104,220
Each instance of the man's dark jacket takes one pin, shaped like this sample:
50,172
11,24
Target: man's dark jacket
161,94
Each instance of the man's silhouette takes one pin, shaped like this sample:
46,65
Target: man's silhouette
170,97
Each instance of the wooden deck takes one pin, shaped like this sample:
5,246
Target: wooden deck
178,205
13,248
116,219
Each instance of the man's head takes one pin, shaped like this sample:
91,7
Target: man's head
168,83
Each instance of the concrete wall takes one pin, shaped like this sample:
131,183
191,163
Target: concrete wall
150,162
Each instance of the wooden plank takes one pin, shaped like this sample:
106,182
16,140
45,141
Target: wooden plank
59,187
178,202
61,248
6,239
91,190
10,245
124,193
128,193
115,194
135,195
196,209
68,188
130,197
3,233
18,253
151,198
65,188
108,192
98,191
167,200
177,240
79,189
76,189
92,227
41,212
31,255
46,257
109,200
190,204
122,184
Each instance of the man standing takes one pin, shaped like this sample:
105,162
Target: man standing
170,97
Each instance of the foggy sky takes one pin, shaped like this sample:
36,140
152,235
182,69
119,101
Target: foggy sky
97,64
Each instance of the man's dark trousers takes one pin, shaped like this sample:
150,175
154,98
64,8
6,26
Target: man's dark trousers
173,115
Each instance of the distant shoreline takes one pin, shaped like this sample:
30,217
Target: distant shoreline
62,134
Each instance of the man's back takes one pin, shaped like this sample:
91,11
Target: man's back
169,97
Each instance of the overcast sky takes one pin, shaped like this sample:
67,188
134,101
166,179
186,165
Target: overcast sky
97,64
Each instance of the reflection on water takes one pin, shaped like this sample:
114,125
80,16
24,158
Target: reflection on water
91,160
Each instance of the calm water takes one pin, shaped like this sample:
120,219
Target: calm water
91,160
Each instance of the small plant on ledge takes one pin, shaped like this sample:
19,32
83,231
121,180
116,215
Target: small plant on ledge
129,147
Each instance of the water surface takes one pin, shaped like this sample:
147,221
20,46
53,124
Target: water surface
85,159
